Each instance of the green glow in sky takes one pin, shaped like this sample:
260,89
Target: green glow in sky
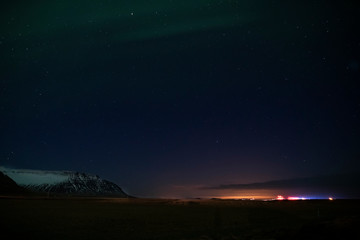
122,20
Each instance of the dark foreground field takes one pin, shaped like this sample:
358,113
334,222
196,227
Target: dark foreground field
173,219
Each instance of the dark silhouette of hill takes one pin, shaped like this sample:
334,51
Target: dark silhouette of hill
8,186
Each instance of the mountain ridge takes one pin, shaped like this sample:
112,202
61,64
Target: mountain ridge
63,183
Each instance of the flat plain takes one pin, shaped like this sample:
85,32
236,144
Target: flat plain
111,218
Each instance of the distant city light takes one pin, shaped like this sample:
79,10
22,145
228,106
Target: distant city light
279,197
291,198
296,198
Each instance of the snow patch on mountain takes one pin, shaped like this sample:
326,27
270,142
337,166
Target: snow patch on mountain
35,177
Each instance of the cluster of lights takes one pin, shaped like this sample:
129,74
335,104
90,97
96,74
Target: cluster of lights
280,198
296,198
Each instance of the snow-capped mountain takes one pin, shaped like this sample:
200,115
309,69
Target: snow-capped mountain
63,182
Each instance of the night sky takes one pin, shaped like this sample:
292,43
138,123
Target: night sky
166,97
